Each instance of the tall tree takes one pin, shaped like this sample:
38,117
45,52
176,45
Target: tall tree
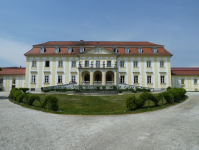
0,69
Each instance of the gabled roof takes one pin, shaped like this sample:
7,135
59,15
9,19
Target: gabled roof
63,46
100,43
185,71
13,71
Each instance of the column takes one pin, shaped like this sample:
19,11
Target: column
91,77
115,80
103,78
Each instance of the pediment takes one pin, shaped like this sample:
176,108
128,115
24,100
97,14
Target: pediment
98,50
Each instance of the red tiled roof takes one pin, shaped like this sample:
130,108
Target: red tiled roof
94,43
184,71
49,47
13,71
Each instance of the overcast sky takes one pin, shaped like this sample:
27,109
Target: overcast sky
173,23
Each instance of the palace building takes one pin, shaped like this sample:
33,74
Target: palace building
142,64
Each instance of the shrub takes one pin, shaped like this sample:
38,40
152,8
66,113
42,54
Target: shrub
12,93
24,89
131,103
120,91
20,98
51,101
168,88
16,93
33,98
175,93
114,87
140,102
168,97
134,91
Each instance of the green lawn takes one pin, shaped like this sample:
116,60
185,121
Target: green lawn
96,105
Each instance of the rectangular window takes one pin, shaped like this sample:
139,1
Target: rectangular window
60,64
33,63
13,81
97,64
1,80
122,79
47,64
162,79
148,63
73,79
135,79
86,63
195,81
46,80
182,81
121,63
33,79
108,63
161,63
59,79
32,89
73,63
148,79
135,64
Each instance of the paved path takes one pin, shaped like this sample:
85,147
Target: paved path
176,127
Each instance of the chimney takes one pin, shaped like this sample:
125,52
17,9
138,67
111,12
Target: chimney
81,40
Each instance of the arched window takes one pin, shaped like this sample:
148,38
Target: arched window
98,77
108,77
87,77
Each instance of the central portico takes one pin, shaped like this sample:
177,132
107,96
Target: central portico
98,66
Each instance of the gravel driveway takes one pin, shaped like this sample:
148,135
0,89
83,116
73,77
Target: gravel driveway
176,127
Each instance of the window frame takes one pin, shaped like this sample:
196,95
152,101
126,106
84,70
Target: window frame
33,78
46,63
73,77
135,79
148,79
121,63
97,65
161,63
34,63
162,79
60,63
122,79
59,79
135,64
1,80
196,81
86,63
108,63
148,64
73,63
182,81
46,79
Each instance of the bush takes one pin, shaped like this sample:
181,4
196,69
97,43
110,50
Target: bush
52,102
33,98
133,91
120,91
20,98
131,103
24,89
168,97
12,93
175,93
168,88
16,93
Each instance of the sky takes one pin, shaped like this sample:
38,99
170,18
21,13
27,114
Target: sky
172,23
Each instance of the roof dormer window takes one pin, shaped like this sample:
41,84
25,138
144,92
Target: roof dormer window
56,49
139,49
126,49
42,49
115,49
70,49
81,49
154,49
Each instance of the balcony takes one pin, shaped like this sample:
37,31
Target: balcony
97,66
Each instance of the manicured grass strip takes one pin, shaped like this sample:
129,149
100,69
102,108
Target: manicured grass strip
96,105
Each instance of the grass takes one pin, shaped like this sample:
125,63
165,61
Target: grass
96,105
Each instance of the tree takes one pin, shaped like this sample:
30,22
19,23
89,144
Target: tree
0,69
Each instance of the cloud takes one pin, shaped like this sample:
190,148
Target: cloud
12,51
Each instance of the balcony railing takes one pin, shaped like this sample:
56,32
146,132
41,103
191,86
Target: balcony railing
97,66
